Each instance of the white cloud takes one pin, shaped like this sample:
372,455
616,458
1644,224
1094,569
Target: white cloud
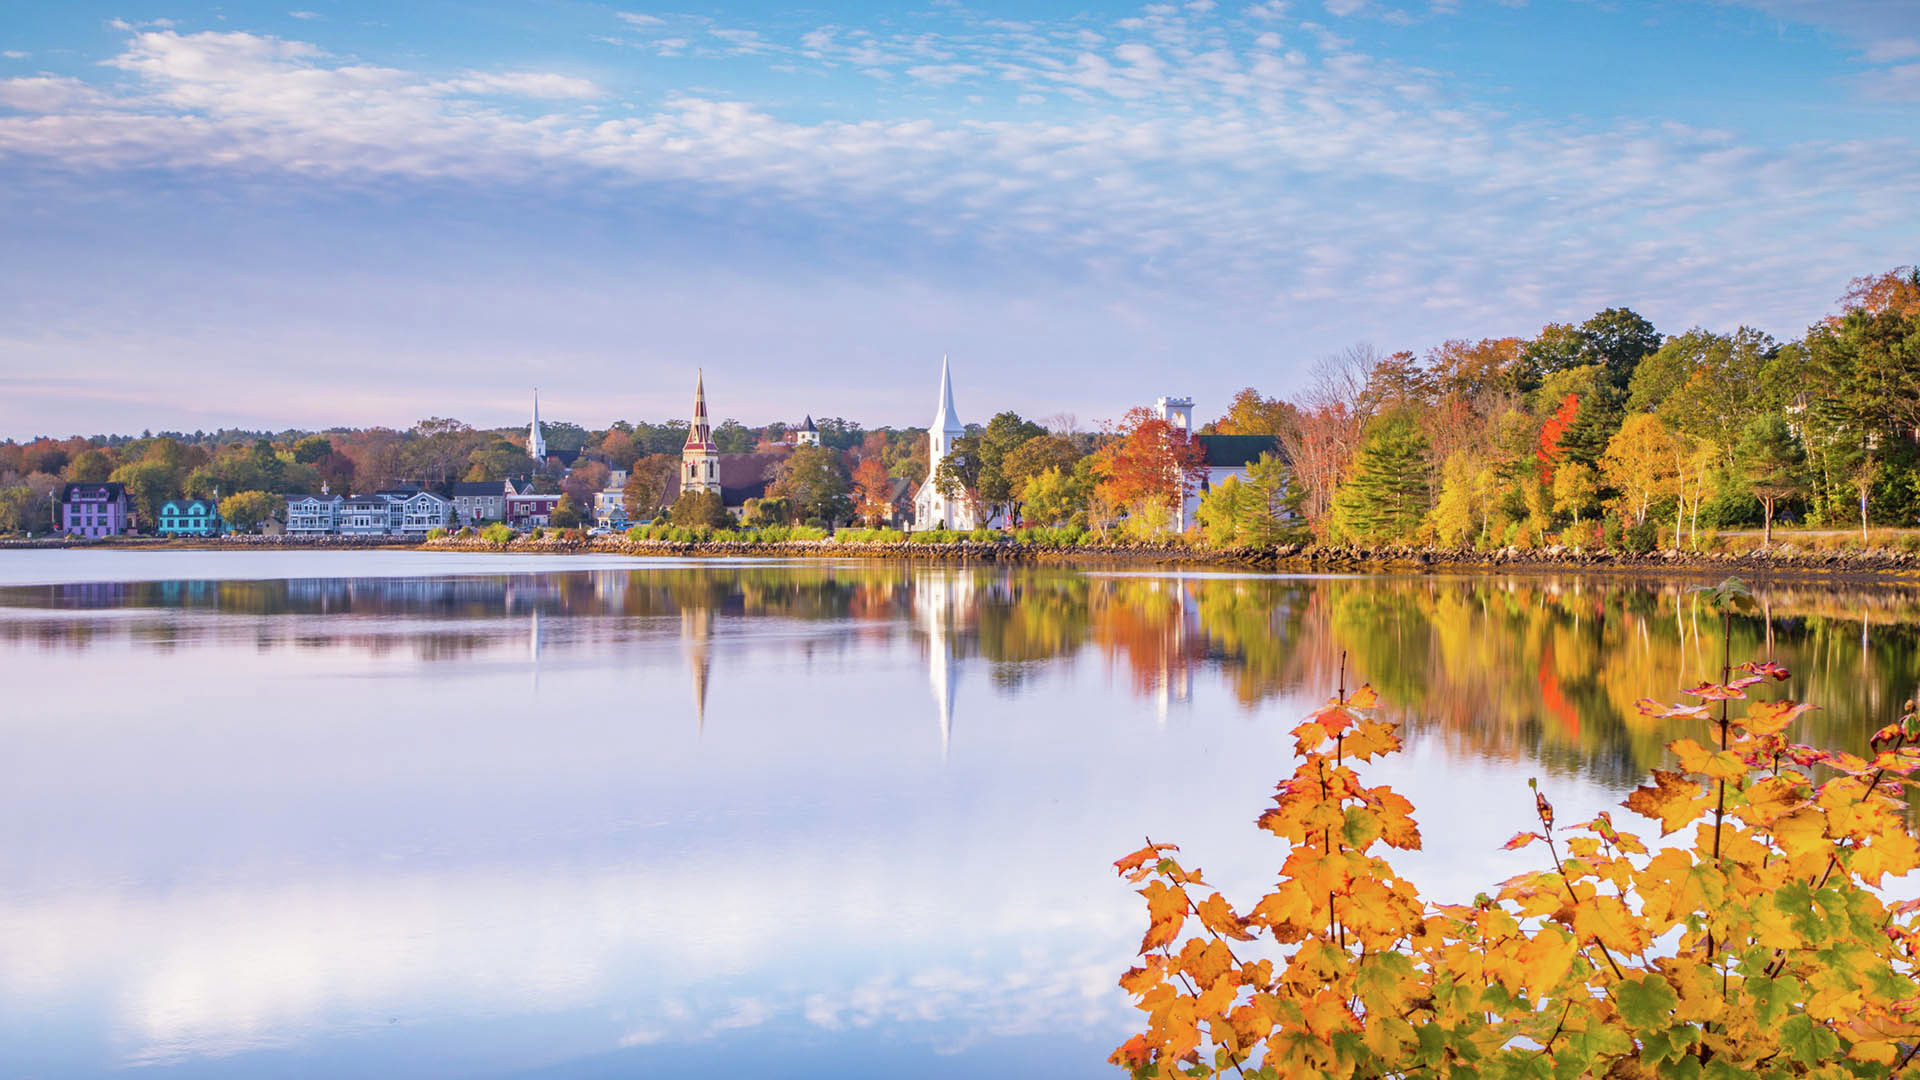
526,84
15,54
636,19
1343,8
304,14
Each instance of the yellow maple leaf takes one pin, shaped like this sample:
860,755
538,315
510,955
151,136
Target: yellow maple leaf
1673,800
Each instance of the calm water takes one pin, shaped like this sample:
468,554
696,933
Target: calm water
332,814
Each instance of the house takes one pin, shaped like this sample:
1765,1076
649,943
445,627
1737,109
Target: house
931,509
366,515
189,517
1221,456
314,515
478,502
610,502
526,509
423,511
101,509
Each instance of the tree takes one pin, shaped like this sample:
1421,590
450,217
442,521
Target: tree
1386,498
812,478
646,487
246,511
870,492
1575,487
700,509
1035,456
1769,460
149,484
1271,514
91,466
767,513
1223,511
1454,515
1147,462
498,459
1639,464
1055,496
312,449
584,480
1251,414
566,514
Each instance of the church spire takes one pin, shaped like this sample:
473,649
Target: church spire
700,432
536,440
945,418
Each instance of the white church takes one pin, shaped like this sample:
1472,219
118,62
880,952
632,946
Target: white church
931,509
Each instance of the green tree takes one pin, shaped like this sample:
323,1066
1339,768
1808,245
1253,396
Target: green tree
766,513
311,449
149,484
498,459
812,478
1771,462
1274,511
89,467
696,509
566,514
246,511
1385,498
1222,512
1055,496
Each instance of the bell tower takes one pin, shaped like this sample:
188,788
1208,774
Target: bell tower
700,459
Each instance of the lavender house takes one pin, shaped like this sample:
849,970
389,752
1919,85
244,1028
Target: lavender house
95,510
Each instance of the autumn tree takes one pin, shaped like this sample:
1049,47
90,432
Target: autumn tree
1148,466
812,478
1057,496
870,492
566,513
1575,487
646,488
246,511
1250,414
1770,461
700,509
1639,464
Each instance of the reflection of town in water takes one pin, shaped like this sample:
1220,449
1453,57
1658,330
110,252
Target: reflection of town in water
1542,667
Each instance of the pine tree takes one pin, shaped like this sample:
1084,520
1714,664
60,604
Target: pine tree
1385,499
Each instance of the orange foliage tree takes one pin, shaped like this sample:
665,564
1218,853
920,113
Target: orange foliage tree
870,500
1760,942
1550,450
1148,461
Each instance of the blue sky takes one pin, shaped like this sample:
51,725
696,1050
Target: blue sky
361,213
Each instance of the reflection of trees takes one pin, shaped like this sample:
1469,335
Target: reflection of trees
1543,667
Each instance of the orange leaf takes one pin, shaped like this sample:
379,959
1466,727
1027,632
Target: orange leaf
1715,764
1139,859
1674,801
1364,698
1166,912
1769,717
1133,1054
1767,667
1650,707
1217,915
1521,840
1715,692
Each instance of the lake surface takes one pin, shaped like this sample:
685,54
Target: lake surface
401,814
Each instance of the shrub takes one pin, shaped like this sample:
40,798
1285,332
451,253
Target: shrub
537,533
1640,539
436,534
499,534
466,532
1760,943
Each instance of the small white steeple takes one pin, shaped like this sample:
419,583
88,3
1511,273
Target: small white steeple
536,442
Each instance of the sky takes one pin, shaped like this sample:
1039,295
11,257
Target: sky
359,213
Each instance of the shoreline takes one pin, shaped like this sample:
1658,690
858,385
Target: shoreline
1788,563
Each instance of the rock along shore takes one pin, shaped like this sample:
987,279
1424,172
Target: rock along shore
1783,561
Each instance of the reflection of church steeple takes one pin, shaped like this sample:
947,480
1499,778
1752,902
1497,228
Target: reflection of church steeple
696,628
940,598
533,647
1174,682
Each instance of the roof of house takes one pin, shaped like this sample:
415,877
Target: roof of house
398,492
104,489
564,457
479,487
1236,451
186,506
317,498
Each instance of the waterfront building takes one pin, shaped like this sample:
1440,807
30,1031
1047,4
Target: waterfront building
101,509
610,502
423,511
526,509
366,515
314,515
478,502
189,517
931,509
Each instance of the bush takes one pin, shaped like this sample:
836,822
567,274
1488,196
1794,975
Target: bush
1716,955
499,534
1640,539
466,532
436,534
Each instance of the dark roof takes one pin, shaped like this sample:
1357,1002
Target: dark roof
479,487
900,491
104,489
808,426
564,457
399,492
1236,451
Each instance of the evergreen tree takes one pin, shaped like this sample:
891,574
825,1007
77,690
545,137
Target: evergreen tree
1386,497
1772,463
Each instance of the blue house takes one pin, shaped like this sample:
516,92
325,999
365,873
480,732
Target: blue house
189,517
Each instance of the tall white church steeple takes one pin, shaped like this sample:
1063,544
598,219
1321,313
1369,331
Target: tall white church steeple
931,509
699,458
536,441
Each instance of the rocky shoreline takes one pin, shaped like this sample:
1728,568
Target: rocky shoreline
1783,561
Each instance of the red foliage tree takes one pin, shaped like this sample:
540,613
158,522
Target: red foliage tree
1550,452
1147,461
